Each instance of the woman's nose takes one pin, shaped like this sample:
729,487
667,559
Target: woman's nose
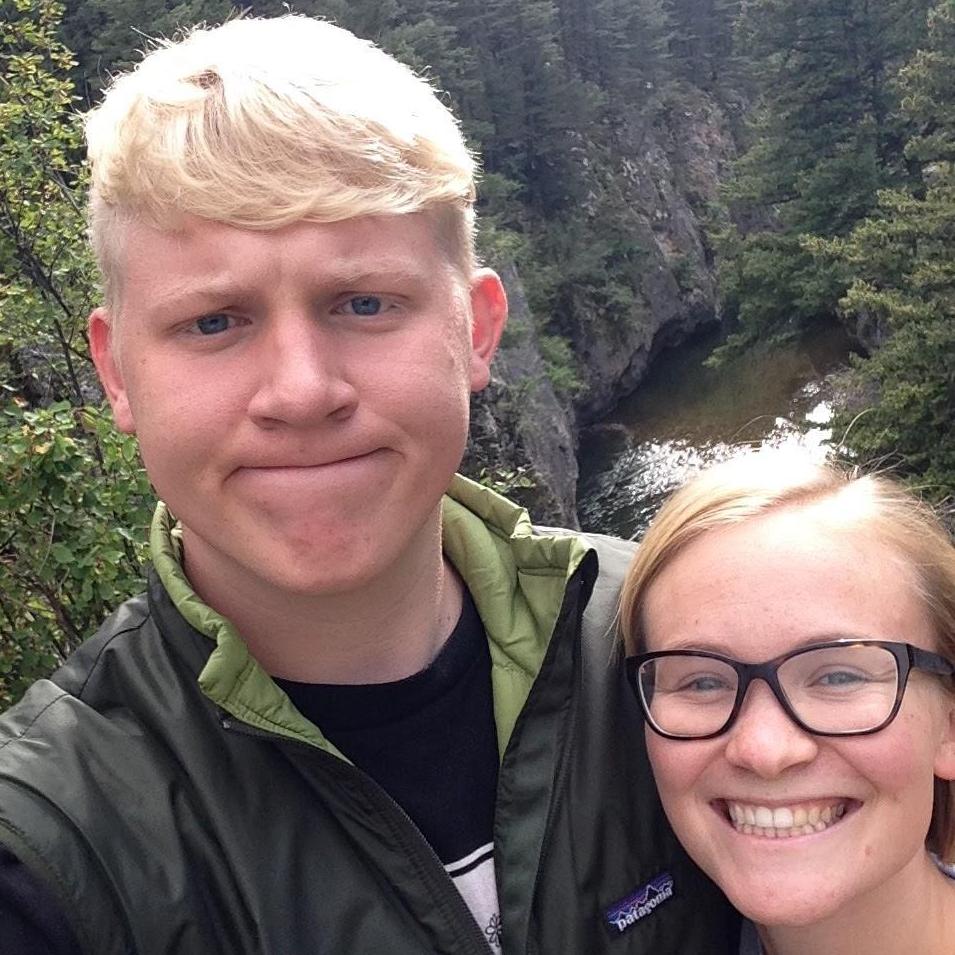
764,740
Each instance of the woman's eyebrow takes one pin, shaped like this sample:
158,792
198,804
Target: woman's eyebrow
725,645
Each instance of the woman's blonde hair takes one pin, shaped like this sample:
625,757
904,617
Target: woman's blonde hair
755,484
261,123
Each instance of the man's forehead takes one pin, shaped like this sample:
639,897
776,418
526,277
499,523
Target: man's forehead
403,246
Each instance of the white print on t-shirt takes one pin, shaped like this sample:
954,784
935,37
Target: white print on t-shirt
474,878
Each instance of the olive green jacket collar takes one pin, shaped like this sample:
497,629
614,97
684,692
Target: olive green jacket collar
516,575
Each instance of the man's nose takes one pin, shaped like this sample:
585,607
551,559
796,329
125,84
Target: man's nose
764,740
302,375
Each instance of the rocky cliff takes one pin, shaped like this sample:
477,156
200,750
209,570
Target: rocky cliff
522,432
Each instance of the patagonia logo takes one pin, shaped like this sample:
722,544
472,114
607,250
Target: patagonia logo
627,912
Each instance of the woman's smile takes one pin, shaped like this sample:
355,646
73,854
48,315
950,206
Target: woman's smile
787,821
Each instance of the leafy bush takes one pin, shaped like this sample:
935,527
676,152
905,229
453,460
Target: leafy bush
74,501
74,510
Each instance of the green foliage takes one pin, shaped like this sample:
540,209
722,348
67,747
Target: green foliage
505,481
46,277
826,135
903,284
559,365
74,510
73,498
107,33
700,39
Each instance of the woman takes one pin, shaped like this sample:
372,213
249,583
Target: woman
791,632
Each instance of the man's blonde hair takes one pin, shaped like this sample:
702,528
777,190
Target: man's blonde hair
261,123
756,484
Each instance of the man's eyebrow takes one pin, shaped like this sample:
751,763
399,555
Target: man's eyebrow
199,291
196,294
375,273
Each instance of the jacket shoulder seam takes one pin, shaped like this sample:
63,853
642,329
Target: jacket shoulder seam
119,633
26,729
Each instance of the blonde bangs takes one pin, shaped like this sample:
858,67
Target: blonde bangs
263,123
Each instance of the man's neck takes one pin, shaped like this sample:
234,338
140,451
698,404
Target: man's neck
391,627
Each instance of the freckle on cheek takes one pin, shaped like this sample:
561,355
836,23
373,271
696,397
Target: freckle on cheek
867,851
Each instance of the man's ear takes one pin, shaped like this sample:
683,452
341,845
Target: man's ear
488,317
103,350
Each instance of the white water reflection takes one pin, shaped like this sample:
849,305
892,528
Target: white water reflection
685,417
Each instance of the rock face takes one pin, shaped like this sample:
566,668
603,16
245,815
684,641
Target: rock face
522,437
671,171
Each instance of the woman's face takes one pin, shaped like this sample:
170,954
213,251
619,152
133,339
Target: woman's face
754,591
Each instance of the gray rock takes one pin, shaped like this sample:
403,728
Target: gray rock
671,171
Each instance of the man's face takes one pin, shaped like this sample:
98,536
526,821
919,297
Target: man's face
300,396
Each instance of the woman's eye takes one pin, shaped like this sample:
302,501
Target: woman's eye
841,678
703,684
213,324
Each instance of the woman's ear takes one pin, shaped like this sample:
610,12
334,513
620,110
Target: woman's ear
945,753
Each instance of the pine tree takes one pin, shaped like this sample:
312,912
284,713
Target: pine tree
903,282
701,39
825,138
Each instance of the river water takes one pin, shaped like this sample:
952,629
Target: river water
685,416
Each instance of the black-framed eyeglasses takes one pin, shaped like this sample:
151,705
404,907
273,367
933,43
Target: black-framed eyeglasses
837,688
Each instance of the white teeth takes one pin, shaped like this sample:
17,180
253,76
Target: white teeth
784,821
783,818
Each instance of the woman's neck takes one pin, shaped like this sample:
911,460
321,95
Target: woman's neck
912,912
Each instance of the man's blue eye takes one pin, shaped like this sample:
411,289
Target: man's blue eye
365,304
212,324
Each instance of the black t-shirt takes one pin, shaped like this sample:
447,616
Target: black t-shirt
429,741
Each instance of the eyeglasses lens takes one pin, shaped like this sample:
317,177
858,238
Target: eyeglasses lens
847,689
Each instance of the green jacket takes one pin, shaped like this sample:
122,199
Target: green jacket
176,802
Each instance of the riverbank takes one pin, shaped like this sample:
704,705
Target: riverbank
685,416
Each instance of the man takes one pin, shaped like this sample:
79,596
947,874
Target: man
353,713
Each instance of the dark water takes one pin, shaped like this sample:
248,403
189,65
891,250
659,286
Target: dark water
685,416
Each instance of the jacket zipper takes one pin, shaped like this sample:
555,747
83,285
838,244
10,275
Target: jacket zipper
531,947
401,827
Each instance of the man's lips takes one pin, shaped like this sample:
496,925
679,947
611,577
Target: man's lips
279,464
341,473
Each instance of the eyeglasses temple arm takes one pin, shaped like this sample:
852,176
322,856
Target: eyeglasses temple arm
932,662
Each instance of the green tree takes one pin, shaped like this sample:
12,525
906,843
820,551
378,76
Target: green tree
903,282
701,39
73,500
107,33
825,137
